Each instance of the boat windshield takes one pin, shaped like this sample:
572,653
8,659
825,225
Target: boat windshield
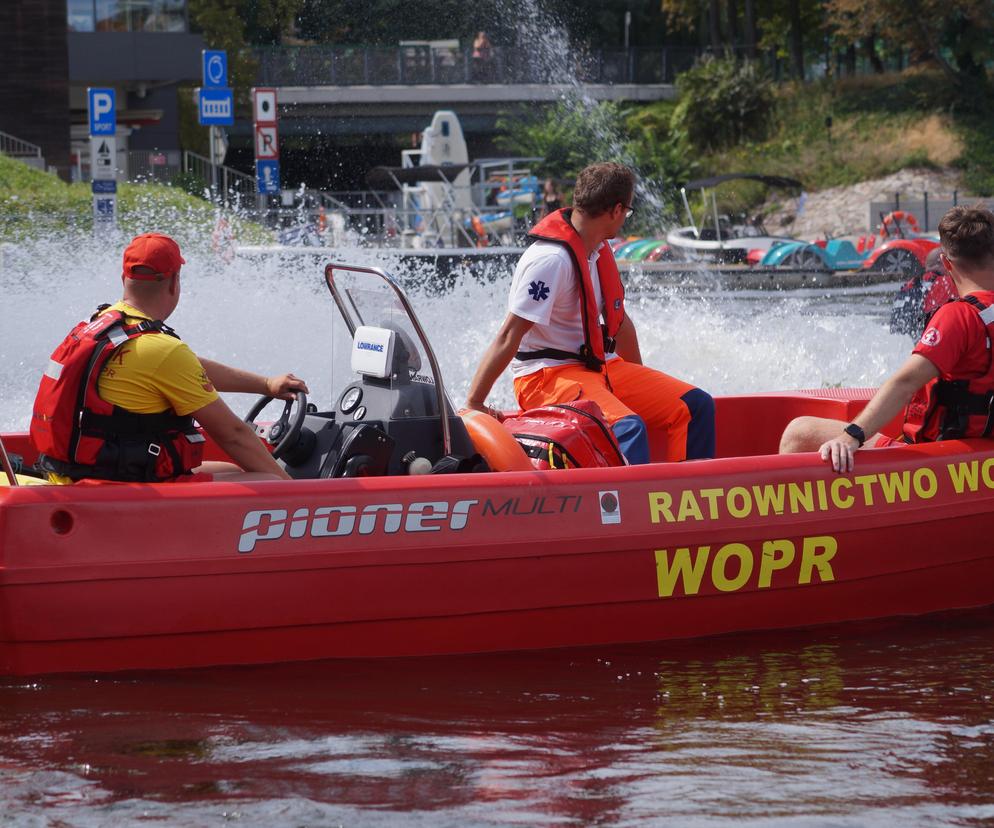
388,344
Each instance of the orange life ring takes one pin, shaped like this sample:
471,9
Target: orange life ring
322,220
482,237
896,217
494,442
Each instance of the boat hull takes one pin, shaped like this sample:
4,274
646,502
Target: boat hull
684,243
123,577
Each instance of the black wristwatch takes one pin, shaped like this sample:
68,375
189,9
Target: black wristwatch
855,431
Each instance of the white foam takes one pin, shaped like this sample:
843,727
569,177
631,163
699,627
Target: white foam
274,314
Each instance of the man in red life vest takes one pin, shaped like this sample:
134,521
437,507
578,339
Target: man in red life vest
120,394
946,386
567,335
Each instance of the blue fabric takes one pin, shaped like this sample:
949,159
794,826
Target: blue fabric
700,430
633,438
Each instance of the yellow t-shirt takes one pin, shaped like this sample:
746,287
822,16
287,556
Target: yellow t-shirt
154,373
150,374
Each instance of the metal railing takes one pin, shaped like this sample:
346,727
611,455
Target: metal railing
391,227
17,147
224,184
153,165
409,65
925,210
354,65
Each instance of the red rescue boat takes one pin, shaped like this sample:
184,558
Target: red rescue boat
108,577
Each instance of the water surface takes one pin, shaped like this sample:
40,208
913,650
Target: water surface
859,725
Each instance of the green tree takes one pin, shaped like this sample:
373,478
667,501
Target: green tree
723,102
267,22
957,34
222,23
568,136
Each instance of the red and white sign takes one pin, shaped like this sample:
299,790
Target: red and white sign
264,106
266,142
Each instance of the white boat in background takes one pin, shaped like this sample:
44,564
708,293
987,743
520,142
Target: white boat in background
720,238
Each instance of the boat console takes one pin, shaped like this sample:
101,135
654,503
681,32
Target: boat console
393,417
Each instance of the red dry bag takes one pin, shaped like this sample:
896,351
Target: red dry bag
566,436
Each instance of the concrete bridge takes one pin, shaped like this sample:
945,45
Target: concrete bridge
358,110
351,90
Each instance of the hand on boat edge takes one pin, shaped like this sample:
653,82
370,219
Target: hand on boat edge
840,452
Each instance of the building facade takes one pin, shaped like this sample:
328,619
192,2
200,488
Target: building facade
34,90
144,50
55,49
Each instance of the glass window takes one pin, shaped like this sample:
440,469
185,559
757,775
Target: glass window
80,15
140,15
166,16
112,15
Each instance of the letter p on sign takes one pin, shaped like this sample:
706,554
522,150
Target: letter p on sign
103,119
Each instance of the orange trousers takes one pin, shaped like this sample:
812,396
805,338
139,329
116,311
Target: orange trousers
634,390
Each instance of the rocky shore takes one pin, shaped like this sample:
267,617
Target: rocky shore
844,211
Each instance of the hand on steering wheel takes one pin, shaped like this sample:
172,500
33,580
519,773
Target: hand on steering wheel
284,433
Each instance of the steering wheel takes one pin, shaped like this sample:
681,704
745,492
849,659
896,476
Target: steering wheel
284,433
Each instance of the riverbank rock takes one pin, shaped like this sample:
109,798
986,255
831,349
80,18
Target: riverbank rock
844,211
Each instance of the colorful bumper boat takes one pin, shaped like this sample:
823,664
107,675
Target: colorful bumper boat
360,557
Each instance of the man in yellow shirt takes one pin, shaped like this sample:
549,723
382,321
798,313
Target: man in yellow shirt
149,389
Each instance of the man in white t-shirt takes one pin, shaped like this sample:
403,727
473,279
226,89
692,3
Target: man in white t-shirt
567,336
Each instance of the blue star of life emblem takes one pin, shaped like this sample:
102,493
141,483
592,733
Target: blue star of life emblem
538,291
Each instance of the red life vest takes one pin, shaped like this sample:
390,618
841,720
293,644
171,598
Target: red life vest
78,434
598,339
955,409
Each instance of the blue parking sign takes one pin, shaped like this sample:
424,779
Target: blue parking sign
103,115
215,68
267,174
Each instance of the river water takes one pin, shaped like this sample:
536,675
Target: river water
861,725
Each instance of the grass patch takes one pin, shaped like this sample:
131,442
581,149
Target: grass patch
34,203
878,126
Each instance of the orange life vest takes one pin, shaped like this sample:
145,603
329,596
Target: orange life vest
955,409
599,340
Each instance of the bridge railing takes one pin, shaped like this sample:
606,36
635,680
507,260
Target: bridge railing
409,65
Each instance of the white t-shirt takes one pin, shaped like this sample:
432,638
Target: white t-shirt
544,290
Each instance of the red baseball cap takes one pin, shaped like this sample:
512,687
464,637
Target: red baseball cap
155,251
